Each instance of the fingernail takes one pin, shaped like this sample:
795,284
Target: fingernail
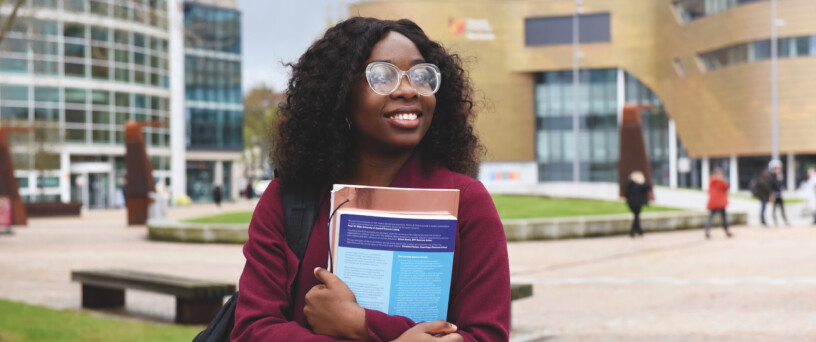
315,270
454,326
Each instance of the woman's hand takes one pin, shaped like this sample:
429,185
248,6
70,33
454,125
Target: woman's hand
332,310
431,331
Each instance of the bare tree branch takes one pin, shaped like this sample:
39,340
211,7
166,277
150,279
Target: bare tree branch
10,19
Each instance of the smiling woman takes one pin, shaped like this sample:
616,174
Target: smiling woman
374,103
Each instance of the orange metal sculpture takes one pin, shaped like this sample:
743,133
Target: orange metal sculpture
8,184
139,175
633,155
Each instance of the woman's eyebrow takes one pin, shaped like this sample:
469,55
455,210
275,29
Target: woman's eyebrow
413,62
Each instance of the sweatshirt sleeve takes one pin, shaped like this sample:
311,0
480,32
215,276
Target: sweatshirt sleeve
480,286
264,303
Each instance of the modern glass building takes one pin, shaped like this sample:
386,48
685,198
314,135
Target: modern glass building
214,110
75,71
703,65
599,101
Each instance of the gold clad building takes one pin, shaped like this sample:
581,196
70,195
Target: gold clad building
703,65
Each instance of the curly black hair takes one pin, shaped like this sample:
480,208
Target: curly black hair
312,142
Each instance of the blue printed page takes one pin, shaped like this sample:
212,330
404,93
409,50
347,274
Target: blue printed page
396,263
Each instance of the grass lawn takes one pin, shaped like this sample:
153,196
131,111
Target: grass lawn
517,207
231,217
22,322
509,207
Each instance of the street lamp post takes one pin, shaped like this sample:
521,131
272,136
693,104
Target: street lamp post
774,90
576,164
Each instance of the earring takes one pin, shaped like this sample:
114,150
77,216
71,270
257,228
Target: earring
348,122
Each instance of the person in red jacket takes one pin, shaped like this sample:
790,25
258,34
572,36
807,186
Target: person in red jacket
717,200
378,103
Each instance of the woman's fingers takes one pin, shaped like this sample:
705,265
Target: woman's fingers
452,337
437,327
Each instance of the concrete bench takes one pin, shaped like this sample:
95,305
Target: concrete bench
519,291
197,301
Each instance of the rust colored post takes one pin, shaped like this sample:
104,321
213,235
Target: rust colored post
139,175
8,184
633,155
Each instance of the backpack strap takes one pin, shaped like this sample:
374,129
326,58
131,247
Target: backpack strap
299,214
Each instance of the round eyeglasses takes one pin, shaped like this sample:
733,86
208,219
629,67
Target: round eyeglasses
384,78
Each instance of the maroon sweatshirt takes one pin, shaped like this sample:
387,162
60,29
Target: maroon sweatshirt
270,307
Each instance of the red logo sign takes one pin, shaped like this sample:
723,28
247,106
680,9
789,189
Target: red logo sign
456,26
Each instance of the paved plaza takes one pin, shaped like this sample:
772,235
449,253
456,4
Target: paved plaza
675,286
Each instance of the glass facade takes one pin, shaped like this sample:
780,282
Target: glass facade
90,65
695,9
599,137
788,47
214,113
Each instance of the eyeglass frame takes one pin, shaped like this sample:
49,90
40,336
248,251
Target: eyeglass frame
400,74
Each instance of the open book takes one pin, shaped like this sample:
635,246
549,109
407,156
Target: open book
394,247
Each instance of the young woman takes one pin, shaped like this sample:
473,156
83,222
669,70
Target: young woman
351,117
637,195
717,200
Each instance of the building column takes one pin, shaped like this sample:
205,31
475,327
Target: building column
65,176
178,132
672,154
621,96
218,173
791,172
704,173
733,173
112,183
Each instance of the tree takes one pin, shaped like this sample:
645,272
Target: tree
10,20
260,114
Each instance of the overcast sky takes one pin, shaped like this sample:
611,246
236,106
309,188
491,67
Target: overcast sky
280,31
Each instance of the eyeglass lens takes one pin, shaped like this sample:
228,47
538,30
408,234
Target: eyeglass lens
384,78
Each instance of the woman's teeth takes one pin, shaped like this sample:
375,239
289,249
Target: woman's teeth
410,116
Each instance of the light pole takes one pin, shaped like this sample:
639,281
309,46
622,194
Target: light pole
576,164
774,90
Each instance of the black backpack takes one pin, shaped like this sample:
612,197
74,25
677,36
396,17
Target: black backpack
299,214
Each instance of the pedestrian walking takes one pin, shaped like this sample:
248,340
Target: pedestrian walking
637,195
217,197
762,191
777,182
809,190
717,200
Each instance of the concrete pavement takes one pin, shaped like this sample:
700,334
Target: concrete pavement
675,286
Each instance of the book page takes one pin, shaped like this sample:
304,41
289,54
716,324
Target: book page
397,264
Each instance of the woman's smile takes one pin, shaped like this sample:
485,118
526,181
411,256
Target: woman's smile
404,117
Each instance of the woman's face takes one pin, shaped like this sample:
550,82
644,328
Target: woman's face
398,121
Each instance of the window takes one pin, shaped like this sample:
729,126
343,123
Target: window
75,95
101,117
44,27
74,50
75,115
46,94
74,5
593,28
100,8
99,97
121,37
122,100
100,34
74,30
46,114
13,93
